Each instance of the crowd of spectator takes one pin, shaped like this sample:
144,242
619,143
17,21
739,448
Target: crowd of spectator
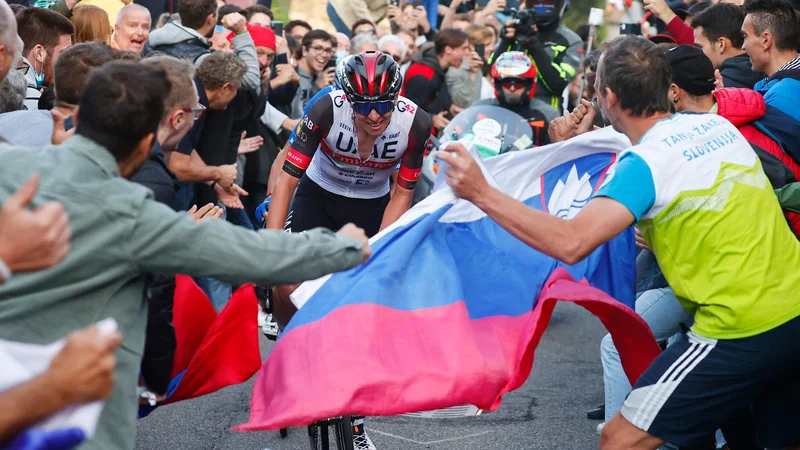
195,100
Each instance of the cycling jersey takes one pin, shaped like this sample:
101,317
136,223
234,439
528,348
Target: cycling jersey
325,91
710,215
338,167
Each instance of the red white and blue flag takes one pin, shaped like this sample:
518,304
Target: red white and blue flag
450,308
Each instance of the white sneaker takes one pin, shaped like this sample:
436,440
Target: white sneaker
600,427
270,328
360,439
262,317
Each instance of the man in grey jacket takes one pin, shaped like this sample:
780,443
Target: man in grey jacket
119,234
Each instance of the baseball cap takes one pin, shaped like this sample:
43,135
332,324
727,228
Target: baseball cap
692,71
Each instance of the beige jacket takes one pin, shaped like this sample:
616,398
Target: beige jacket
352,10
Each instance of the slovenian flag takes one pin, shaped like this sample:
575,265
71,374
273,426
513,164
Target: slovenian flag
450,308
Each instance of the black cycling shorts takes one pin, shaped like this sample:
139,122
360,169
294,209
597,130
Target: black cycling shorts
315,207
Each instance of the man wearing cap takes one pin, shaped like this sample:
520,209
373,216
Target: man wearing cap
693,90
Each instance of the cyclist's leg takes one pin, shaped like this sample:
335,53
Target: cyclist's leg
309,209
364,213
306,212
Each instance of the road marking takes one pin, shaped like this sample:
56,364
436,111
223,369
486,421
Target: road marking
438,441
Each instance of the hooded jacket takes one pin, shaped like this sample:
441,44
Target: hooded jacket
781,92
742,107
178,41
737,72
425,82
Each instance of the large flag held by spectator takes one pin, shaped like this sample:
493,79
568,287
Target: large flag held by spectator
450,307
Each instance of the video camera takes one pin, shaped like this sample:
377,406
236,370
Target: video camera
537,12
524,20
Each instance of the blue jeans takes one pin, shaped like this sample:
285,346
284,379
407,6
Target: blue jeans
662,312
238,217
648,273
217,291
184,197
337,21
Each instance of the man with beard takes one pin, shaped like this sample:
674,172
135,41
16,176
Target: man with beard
707,210
514,78
120,234
132,28
45,34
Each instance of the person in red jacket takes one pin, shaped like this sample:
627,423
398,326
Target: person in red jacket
692,90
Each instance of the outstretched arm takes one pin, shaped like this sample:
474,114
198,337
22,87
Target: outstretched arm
569,240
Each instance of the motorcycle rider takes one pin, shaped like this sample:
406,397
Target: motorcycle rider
555,49
515,82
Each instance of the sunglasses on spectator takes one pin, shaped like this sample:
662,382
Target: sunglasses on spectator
196,111
364,108
512,83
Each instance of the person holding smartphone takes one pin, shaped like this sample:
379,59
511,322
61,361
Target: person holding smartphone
313,68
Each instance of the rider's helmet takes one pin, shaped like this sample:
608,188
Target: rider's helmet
514,67
371,79
338,81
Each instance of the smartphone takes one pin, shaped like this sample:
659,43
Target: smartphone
277,27
469,5
331,63
395,2
480,49
634,29
281,59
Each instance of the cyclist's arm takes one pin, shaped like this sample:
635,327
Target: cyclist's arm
410,168
312,130
277,168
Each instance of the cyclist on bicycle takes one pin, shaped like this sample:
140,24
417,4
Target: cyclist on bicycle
346,148
363,132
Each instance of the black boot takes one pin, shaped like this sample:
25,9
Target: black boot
598,413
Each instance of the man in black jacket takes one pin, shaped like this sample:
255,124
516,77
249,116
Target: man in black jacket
180,111
554,48
718,31
424,83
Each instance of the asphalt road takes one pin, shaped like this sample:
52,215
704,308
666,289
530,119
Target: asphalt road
548,412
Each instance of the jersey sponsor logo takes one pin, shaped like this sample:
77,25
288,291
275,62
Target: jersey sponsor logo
310,124
404,106
298,159
354,160
388,151
409,174
338,100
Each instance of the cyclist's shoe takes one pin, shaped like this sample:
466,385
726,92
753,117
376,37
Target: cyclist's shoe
360,439
270,328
